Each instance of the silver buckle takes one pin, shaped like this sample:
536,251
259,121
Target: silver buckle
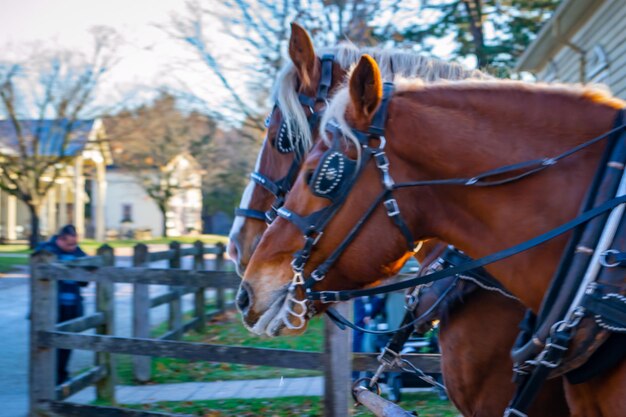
513,412
327,297
284,213
383,156
604,255
388,357
392,207
316,275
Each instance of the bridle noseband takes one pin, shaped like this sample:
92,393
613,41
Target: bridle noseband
286,144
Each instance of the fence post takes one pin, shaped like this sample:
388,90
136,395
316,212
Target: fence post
337,366
43,314
219,266
175,321
141,314
199,300
105,304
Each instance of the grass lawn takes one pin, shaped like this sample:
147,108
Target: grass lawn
90,245
226,329
14,249
207,239
425,403
7,263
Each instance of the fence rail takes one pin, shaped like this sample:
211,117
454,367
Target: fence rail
46,335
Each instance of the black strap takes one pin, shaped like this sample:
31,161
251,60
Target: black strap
610,308
251,213
307,101
266,183
532,383
326,78
333,296
393,212
529,167
377,128
407,324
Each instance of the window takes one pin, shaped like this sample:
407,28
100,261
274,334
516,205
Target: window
597,66
127,213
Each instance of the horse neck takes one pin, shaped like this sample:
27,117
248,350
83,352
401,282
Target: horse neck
460,132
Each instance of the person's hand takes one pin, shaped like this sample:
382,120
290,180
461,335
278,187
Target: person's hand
367,319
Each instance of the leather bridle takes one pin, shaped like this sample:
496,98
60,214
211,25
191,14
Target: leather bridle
279,188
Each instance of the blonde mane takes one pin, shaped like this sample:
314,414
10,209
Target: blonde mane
393,63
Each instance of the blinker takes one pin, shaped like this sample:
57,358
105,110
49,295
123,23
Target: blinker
285,142
329,178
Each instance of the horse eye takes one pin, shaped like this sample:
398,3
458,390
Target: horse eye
308,176
267,120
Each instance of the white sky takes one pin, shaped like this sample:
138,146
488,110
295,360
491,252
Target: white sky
148,57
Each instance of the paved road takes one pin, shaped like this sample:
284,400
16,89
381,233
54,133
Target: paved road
14,301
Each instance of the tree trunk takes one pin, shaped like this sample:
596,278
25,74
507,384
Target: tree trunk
163,209
474,12
34,226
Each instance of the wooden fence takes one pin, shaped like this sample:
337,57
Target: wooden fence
47,399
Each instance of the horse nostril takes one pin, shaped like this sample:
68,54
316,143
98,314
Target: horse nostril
243,298
233,250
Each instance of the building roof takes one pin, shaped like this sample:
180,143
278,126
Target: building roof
51,134
566,21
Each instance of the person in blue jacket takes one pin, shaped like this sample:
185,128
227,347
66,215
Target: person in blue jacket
69,300
365,310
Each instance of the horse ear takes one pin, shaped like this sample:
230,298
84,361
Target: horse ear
302,53
366,87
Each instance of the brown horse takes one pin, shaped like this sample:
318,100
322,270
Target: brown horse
477,329
447,131
470,391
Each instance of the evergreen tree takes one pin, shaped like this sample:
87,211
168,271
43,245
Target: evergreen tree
495,32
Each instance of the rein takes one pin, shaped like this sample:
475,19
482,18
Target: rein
335,296
281,187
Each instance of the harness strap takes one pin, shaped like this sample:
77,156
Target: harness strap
326,79
265,182
532,383
307,101
407,324
393,211
529,167
377,128
323,89
335,296
251,213
323,268
610,308
567,280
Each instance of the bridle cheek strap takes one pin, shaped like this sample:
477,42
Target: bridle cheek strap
251,213
282,186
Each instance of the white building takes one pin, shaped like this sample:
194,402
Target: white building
77,195
584,42
130,208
